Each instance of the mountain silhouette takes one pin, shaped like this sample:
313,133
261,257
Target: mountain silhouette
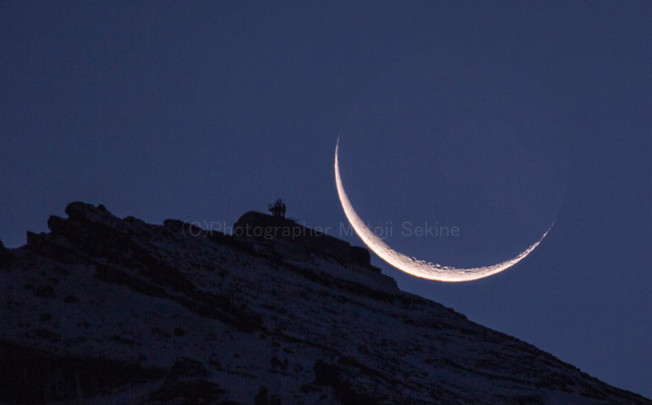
104,310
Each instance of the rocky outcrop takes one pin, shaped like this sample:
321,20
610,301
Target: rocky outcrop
255,225
186,384
5,255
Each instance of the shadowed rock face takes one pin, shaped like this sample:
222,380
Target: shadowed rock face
255,225
5,255
35,376
118,310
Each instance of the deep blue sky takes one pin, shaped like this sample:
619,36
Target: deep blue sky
498,117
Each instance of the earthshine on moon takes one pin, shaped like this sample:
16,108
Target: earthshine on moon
411,265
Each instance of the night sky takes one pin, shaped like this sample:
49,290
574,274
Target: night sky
497,118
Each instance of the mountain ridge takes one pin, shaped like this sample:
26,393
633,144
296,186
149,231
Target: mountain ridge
101,309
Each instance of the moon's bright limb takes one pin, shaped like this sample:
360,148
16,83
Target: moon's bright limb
411,265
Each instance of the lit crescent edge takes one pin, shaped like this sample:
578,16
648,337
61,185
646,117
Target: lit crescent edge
412,265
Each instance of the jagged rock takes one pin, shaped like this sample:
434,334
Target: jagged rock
255,225
104,307
186,384
5,255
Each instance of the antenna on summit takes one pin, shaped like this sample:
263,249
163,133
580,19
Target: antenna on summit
277,208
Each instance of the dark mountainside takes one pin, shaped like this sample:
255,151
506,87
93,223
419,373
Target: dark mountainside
104,310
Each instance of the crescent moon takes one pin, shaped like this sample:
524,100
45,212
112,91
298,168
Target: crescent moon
412,265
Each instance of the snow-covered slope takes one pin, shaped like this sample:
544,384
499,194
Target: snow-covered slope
103,310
